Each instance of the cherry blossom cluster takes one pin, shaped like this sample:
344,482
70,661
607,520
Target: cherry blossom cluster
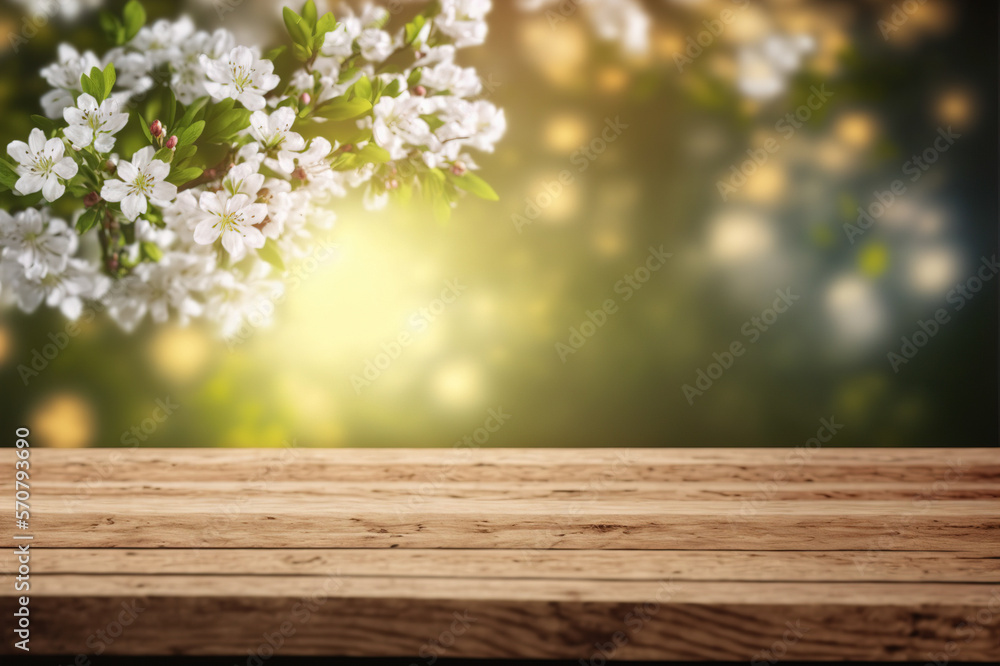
192,169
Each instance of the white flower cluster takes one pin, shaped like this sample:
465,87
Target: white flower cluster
67,9
624,21
765,67
198,171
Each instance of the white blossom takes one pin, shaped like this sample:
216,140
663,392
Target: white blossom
274,133
42,165
464,21
376,45
398,123
38,244
64,77
241,76
93,124
140,180
233,218
275,181
66,289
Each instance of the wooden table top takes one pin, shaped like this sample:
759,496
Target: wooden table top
737,554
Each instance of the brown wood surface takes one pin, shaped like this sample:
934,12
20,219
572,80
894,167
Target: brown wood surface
737,554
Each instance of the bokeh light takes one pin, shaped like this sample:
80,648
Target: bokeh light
369,347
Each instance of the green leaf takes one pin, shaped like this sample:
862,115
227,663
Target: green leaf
363,88
374,154
150,251
88,220
164,155
433,122
414,27
473,184
8,176
169,110
191,134
342,108
92,160
392,90
275,52
415,77
182,155
230,124
144,126
325,25
113,28
309,13
270,254
93,85
193,112
109,77
184,176
47,125
135,18
300,33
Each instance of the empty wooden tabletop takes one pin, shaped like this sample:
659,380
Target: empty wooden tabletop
737,554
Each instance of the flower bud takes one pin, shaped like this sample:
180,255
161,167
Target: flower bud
171,142
305,98
299,174
156,129
347,147
459,168
393,184
420,91
92,199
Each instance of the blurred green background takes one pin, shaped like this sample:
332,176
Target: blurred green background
494,346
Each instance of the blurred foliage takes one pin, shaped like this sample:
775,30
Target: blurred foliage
656,184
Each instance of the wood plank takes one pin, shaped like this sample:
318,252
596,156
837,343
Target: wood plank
321,624
502,465
872,566
965,525
411,493
879,554
517,589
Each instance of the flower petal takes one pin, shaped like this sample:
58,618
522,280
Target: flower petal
114,190
233,242
66,168
163,194
29,184
134,205
36,141
127,171
53,188
19,151
207,231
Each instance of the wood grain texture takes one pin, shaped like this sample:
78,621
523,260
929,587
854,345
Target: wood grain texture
767,554
610,565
